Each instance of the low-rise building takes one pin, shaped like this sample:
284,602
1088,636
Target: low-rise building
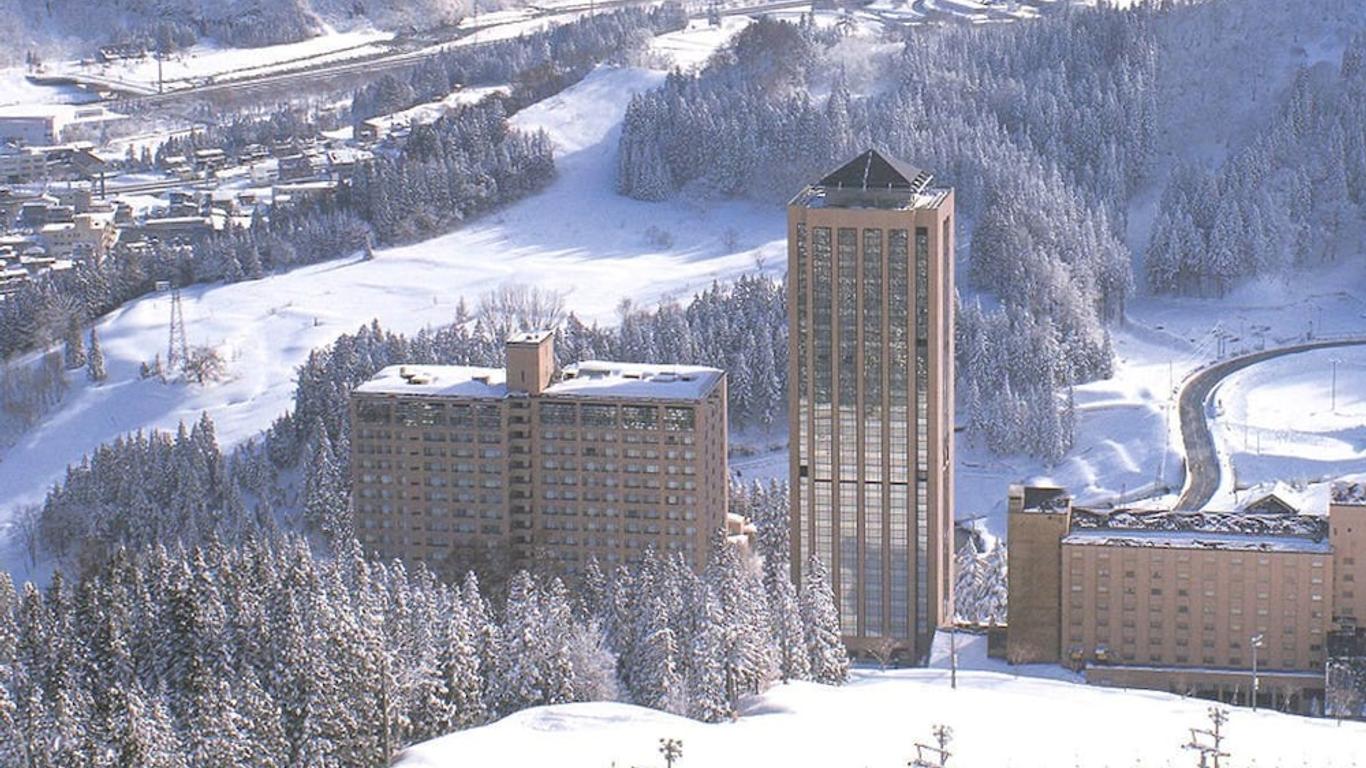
1186,602
527,465
22,164
87,234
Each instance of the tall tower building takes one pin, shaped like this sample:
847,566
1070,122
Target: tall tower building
870,319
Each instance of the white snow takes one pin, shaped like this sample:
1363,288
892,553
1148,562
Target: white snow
577,236
1277,421
692,47
438,380
207,59
598,378
999,720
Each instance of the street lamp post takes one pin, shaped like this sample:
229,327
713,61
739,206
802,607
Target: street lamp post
1335,385
1256,643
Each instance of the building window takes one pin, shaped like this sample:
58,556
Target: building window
558,413
639,417
678,419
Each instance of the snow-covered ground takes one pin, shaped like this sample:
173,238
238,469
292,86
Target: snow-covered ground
576,236
430,112
999,720
1277,421
206,59
691,47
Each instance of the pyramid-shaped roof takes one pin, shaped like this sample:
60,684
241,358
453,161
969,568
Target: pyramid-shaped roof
873,170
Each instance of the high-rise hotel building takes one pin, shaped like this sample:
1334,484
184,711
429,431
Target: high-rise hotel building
870,314
540,467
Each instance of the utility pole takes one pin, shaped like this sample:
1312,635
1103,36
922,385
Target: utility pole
953,643
1335,385
178,349
1256,642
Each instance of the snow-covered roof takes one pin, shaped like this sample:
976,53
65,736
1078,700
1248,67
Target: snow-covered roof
1196,540
593,379
1244,523
636,381
438,381
1349,493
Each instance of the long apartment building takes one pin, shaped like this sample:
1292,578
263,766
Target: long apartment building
870,317
1177,601
539,466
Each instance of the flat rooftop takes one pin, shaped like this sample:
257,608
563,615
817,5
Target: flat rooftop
1107,537
587,380
438,381
636,381
1201,530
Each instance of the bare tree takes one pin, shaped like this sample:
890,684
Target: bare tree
515,307
205,364
26,530
884,648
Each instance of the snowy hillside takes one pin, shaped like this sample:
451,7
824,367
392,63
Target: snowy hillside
998,721
577,236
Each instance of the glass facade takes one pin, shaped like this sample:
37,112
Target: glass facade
922,474
862,340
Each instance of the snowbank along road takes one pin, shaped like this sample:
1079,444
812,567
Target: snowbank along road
1202,461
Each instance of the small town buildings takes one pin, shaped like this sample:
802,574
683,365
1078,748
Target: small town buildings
532,466
19,165
90,234
50,124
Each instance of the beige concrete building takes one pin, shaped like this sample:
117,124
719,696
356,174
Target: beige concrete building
531,466
1034,578
1347,521
1173,601
87,234
870,316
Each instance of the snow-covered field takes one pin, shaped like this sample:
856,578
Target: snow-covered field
207,59
576,236
999,720
1277,421
691,47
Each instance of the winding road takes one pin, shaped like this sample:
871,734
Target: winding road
1202,460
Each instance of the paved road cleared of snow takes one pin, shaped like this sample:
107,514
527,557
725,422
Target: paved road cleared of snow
1202,462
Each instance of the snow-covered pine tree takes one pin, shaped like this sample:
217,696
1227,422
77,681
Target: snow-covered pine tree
94,362
825,649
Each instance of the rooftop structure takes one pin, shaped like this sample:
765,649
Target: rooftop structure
873,180
1349,493
590,379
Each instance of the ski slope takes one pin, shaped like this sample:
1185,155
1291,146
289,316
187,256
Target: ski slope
577,236
999,720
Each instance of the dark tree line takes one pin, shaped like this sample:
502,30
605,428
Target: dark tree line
1288,199
46,309
266,654
537,65
450,171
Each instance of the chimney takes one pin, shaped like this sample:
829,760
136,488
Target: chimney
531,361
